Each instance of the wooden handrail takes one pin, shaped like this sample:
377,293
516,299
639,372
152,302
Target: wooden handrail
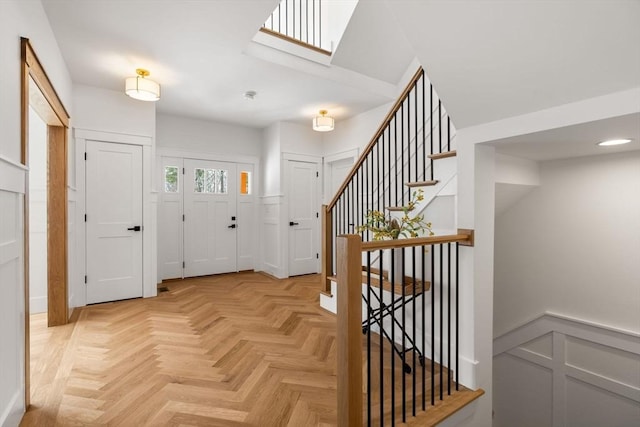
463,236
377,135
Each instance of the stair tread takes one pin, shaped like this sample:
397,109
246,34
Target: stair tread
443,155
422,183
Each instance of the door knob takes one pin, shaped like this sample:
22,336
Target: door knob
135,228
291,223
232,226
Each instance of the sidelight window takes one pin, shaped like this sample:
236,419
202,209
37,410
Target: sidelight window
170,179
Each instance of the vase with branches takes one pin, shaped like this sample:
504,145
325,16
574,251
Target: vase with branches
387,227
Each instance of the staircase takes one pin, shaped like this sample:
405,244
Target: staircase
397,300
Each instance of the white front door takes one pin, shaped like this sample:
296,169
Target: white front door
303,217
170,230
210,223
114,221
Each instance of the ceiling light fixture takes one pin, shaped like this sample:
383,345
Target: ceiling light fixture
142,88
610,142
250,95
323,123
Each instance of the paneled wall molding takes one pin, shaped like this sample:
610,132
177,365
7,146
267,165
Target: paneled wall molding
553,322
584,359
12,176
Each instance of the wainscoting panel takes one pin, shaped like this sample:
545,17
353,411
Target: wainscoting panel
560,371
12,180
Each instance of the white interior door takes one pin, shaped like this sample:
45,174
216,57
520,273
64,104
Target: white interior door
170,229
210,224
303,217
114,221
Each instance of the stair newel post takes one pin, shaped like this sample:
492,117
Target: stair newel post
327,248
349,337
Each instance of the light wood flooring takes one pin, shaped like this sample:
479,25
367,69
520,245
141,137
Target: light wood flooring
231,350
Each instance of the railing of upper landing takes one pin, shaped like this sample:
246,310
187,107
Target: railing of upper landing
300,21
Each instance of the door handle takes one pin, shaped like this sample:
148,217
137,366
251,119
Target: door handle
291,223
232,226
135,228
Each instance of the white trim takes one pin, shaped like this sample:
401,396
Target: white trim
12,163
14,410
195,155
302,158
355,153
12,176
121,138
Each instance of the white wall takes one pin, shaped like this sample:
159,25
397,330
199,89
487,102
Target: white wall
572,245
112,111
203,136
27,19
37,214
300,139
355,132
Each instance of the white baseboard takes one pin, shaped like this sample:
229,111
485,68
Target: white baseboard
37,305
12,414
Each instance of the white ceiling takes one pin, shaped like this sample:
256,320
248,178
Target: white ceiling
492,59
195,50
487,59
574,141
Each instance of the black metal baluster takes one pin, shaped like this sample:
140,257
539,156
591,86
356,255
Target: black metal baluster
381,344
431,125
415,124
408,140
424,131
449,319
413,324
384,161
392,275
293,21
388,139
424,348
448,132
433,325
368,305
395,156
286,17
441,318
320,24
439,127
404,341
402,153
457,317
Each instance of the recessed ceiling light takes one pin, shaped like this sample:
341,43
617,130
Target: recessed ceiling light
613,142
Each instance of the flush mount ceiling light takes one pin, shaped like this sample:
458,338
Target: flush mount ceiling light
323,123
142,88
610,142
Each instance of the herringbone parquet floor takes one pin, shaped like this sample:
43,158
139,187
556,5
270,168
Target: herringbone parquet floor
232,350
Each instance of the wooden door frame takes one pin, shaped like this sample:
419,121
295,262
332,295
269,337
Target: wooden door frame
48,105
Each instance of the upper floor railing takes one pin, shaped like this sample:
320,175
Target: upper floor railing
300,21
